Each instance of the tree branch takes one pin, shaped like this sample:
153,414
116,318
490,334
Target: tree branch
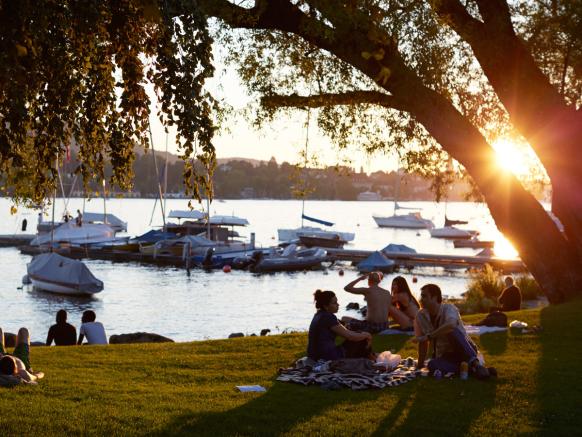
455,14
328,99
496,12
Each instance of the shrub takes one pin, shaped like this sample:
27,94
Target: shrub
530,289
484,288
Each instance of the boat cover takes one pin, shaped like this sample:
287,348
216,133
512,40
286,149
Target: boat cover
398,248
376,262
228,220
188,214
154,236
315,220
53,267
99,217
70,232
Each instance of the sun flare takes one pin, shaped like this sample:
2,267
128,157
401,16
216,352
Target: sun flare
510,157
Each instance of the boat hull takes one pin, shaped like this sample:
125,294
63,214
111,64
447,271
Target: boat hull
59,287
450,232
410,221
294,234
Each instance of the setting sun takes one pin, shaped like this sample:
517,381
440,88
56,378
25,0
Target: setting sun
510,157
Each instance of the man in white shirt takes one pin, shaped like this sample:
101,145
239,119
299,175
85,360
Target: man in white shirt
94,331
440,324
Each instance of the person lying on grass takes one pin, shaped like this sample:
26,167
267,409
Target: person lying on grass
325,327
404,305
379,302
14,365
440,324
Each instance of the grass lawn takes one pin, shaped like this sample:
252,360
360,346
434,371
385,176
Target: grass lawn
188,388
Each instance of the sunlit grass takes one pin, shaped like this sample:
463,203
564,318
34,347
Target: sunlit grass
188,389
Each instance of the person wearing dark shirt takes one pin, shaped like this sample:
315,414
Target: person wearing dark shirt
324,328
63,333
510,299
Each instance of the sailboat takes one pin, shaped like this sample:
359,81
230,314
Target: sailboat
411,220
57,274
450,231
312,231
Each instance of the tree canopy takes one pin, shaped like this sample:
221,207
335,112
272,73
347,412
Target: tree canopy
430,79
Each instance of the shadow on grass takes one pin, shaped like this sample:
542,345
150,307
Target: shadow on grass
279,410
494,343
559,369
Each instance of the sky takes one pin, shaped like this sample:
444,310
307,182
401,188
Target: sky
284,140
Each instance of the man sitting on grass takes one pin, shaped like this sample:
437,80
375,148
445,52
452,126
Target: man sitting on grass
440,324
379,302
94,331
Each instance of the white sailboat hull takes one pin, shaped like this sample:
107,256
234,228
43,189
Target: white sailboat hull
405,221
59,288
452,232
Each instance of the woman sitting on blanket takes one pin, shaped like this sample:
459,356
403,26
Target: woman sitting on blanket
404,305
18,364
324,328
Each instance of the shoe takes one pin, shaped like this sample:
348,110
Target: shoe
492,371
480,372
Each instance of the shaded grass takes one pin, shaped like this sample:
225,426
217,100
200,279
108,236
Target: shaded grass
188,388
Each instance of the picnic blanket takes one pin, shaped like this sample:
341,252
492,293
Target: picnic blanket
338,374
471,330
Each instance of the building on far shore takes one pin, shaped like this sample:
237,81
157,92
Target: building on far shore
369,196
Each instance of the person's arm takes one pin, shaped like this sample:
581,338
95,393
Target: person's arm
501,297
50,337
351,288
81,335
342,331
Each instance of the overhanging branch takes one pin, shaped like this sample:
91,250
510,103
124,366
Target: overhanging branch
331,99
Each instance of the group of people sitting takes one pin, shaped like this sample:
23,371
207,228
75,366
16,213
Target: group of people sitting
64,334
17,364
433,322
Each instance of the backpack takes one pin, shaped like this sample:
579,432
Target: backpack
494,318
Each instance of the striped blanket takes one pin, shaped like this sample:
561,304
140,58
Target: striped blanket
327,375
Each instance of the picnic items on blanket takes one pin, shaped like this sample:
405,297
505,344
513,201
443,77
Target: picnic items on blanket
339,373
250,388
388,360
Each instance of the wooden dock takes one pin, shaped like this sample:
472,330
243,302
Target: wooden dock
410,260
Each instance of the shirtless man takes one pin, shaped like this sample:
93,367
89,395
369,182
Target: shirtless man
379,302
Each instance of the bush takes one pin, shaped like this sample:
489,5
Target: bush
484,288
530,289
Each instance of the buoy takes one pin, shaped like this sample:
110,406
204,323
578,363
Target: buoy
341,272
414,279
226,268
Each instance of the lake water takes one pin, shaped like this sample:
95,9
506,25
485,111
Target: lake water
167,301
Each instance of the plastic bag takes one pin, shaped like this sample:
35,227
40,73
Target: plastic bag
388,359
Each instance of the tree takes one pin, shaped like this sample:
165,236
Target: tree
396,55
429,78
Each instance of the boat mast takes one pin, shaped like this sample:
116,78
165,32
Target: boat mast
54,200
157,175
305,166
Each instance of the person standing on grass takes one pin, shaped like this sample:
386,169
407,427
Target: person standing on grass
62,333
325,327
94,331
379,303
510,298
440,325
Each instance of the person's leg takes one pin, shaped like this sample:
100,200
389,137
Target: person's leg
444,365
466,350
400,317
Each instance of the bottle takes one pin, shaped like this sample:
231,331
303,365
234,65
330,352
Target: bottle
438,374
464,370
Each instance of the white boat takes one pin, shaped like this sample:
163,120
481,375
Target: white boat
412,220
452,232
71,233
110,220
369,196
57,274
